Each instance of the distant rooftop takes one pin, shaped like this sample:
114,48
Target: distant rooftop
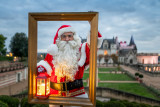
147,54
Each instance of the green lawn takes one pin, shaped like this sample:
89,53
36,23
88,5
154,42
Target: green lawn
85,84
134,88
85,76
104,69
107,69
110,76
114,77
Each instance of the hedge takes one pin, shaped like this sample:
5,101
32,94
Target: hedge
121,103
12,102
2,104
24,103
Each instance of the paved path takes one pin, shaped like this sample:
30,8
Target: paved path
148,80
14,88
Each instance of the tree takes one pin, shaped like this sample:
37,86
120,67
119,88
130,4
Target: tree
114,58
106,58
100,56
19,45
2,45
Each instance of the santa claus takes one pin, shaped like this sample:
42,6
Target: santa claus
65,63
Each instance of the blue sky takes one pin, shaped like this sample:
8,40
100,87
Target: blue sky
121,18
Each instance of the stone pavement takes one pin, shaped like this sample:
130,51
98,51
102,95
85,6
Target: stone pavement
148,80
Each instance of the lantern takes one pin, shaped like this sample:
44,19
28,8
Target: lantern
42,86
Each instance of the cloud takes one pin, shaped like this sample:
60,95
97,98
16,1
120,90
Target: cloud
121,18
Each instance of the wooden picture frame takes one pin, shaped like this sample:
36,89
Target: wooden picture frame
92,17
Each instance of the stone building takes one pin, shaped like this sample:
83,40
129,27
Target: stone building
148,62
109,47
127,53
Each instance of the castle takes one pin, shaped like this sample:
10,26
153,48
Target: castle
126,52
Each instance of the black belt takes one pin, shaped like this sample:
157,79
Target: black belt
67,85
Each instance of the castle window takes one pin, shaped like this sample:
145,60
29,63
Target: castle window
105,45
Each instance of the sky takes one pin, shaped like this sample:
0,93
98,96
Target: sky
121,18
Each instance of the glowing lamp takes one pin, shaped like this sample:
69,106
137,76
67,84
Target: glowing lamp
42,86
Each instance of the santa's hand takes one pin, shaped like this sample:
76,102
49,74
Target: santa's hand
41,69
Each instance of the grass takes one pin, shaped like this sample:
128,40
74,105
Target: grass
85,76
107,69
133,88
109,76
104,69
114,77
85,84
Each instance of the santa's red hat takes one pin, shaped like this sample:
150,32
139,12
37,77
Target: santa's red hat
61,30
53,49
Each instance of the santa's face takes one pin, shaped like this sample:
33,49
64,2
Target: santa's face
66,61
67,36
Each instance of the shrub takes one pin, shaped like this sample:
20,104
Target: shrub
12,102
129,104
2,104
99,103
112,99
156,106
5,58
114,104
144,105
136,74
24,103
140,76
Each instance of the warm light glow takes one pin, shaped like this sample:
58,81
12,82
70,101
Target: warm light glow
105,52
146,68
15,59
149,69
154,68
48,86
41,87
7,55
10,54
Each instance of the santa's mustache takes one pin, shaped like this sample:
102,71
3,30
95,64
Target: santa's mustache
63,44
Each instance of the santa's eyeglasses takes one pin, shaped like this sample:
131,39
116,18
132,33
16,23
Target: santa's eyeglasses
65,36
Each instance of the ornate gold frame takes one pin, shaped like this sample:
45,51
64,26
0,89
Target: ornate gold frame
92,17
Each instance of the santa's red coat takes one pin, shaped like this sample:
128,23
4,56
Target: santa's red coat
48,65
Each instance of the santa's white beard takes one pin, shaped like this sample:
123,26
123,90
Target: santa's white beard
66,61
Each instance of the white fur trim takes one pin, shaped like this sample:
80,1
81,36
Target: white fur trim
46,66
66,29
100,40
83,55
88,38
53,49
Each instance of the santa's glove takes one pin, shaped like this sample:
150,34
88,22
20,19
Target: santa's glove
41,69
99,42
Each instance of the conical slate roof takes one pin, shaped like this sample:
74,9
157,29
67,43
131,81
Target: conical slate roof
132,41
